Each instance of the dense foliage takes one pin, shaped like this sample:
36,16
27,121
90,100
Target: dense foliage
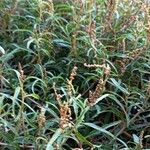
74,75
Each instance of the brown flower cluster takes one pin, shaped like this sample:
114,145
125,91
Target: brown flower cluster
91,26
145,8
69,82
64,111
93,96
65,115
94,65
136,53
111,6
58,96
22,76
98,91
91,30
122,65
141,139
78,10
80,5
41,118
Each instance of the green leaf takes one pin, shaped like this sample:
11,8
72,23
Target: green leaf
2,50
118,86
14,99
100,129
105,132
61,43
113,97
52,140
112,124
35,96
101,98
83,139
80,118
136,139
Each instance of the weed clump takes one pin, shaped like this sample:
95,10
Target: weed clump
74,74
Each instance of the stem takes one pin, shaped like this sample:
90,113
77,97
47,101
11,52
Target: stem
21,146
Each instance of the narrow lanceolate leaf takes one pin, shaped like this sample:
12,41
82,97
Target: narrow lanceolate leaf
118,86
17,91
2,51
101,98
53,139
100,129
14,99
35,96
136,139
112,124
83,139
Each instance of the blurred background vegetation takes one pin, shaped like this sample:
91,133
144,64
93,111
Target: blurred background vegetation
74,75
